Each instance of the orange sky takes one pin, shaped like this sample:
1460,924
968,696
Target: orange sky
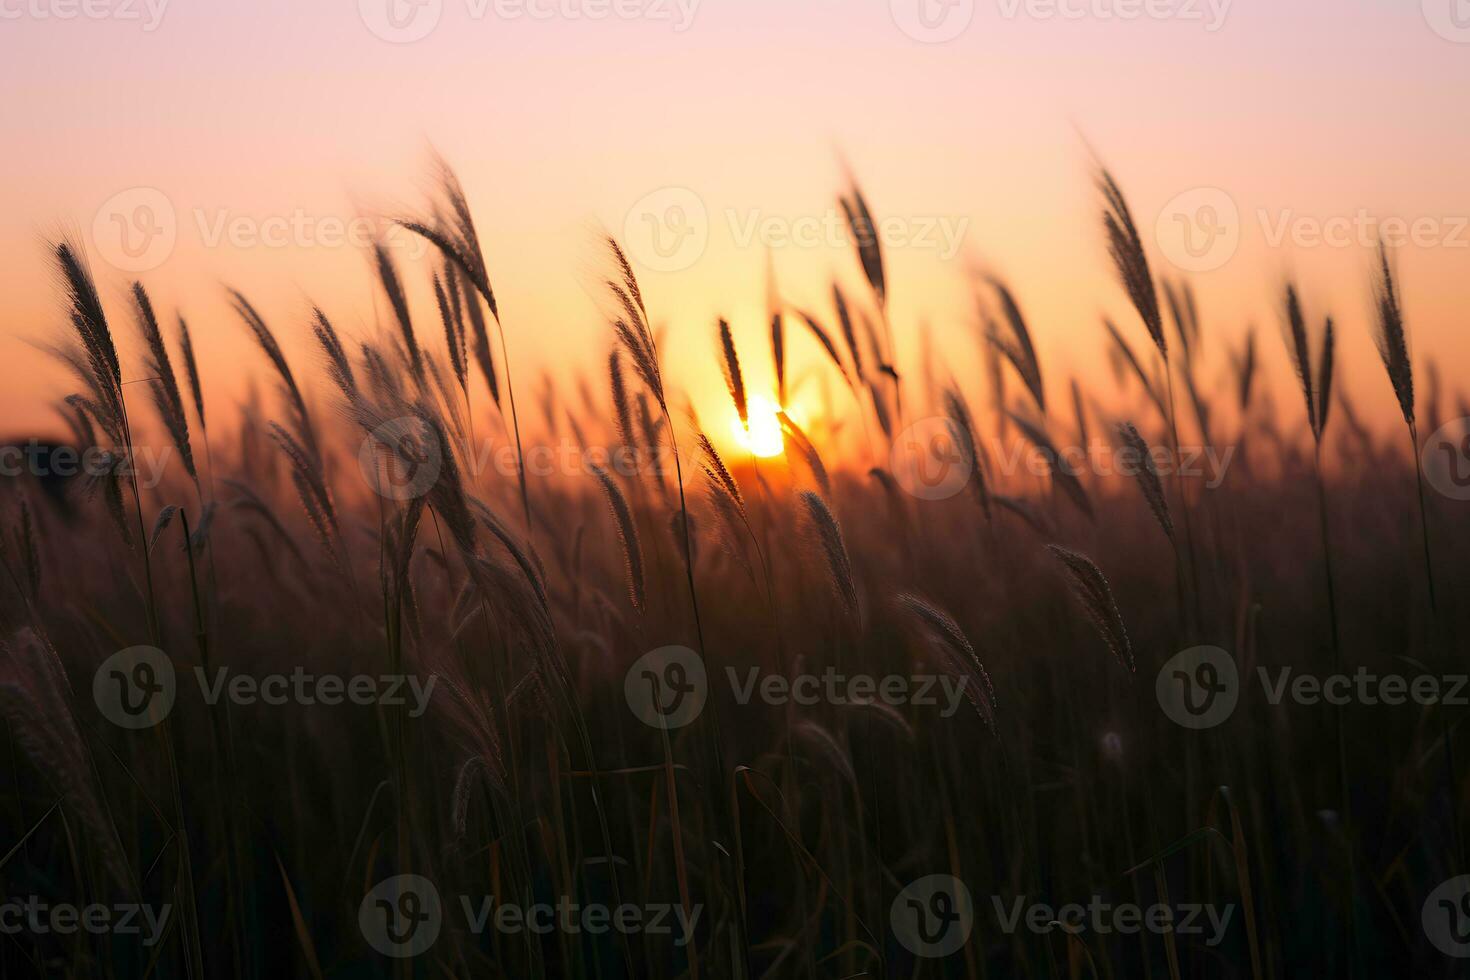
282,121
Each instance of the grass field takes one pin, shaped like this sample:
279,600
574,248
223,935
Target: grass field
383,677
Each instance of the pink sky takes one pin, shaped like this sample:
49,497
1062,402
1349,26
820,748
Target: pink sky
275,113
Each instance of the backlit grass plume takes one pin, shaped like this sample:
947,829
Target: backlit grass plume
1062,475
1315,380
1392,339
963,429
89,351
1017,348
734,380
958,653
1146,474
1129,260
1096,598
627,534
833,550
162,384
266,340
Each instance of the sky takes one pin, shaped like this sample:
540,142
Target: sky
196,144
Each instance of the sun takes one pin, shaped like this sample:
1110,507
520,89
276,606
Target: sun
762,437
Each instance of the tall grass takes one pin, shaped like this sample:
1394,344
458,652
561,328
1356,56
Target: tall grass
791,826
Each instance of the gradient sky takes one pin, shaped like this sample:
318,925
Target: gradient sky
281,108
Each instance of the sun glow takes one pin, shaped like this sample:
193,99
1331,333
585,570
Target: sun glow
762,436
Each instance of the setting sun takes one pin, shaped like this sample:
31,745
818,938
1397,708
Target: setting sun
762,436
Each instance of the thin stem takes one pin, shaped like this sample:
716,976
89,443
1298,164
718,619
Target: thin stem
510,389
699,633
1179,488
1342,773
1423,517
